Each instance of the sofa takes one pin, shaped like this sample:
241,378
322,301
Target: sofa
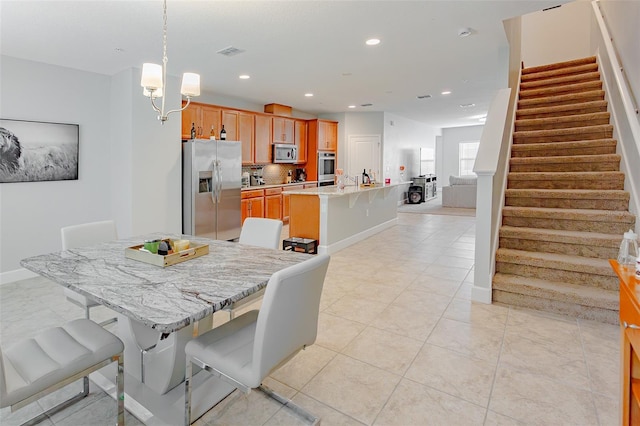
461,192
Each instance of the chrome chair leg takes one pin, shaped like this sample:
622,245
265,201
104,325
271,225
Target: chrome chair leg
120,389
187,392
311,418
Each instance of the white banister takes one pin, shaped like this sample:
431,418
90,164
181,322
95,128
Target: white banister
491,160
623,109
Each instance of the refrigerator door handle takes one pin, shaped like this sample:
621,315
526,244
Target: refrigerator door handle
219,194
214,184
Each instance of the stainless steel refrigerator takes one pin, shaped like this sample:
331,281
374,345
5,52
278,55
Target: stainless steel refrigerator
211,180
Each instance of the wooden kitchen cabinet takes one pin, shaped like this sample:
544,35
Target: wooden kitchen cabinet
203,117
630,345
262,136
283,129
246,137
286,199
252,203
300,139
230,122
273,203
323,134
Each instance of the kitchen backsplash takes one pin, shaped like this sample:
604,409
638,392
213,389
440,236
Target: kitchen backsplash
273,174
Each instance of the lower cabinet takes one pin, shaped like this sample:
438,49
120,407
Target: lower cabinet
252,204
273,203
285,201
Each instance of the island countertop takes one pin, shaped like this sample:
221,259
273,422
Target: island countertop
348,189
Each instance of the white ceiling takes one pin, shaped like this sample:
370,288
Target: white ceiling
291,48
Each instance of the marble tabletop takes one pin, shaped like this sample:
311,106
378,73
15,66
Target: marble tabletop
170,298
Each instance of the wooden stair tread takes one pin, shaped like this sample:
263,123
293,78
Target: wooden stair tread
565,159
595,194
559,65
560,132
557,90
567,292
561,236
565,145
563,119
559,261
565,175
559,80
528,75
570,214
561,109
593,95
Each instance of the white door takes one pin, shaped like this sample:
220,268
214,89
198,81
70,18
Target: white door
364,154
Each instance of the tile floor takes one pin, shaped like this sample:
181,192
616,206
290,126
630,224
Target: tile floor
399,343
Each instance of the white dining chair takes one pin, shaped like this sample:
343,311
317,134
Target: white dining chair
87,234
261,232
248,348
54,358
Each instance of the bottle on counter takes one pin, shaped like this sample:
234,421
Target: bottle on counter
193,130
289,176
212,135
372,177
628,253
365,177
223,134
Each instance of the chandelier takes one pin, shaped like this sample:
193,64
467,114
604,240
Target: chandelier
154,78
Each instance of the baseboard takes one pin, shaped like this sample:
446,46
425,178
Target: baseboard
16,275
335,247
481,294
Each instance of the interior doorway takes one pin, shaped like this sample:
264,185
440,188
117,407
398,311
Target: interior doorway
364,154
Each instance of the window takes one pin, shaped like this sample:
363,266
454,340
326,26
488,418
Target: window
467,152
427,161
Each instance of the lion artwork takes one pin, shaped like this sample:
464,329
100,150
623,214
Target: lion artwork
10,150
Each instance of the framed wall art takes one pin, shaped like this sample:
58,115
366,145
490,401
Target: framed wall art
34,151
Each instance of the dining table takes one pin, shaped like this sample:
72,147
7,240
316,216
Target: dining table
159,309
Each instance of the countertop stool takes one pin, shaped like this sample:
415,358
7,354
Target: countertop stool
306,245
54,358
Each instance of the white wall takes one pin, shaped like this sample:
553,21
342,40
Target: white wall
556,35
622,19
451,139
32,213
402,142
130,165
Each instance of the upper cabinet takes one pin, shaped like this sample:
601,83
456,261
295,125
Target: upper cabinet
263,135
203,118
300,138
246,136
283,130
230,123
323,135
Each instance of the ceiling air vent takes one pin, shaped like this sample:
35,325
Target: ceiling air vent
424,96
366,105
230,51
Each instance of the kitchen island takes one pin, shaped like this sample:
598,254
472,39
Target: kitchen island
338,218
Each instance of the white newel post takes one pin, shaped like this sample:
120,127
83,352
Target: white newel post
483,272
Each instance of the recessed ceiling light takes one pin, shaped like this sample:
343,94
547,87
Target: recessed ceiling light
465,32
308,95
244,77
424,96
467,105
372,42
446,92
119,50
352,106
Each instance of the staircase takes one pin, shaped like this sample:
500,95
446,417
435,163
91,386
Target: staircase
565,206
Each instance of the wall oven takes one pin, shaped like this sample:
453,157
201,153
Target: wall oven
326,168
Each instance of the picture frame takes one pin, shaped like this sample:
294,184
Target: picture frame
36,151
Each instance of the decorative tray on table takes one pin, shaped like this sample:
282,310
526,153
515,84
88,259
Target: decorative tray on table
138,252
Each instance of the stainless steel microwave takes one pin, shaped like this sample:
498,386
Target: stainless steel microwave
284,153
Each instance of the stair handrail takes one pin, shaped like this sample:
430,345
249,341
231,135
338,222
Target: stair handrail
491,167
624,110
